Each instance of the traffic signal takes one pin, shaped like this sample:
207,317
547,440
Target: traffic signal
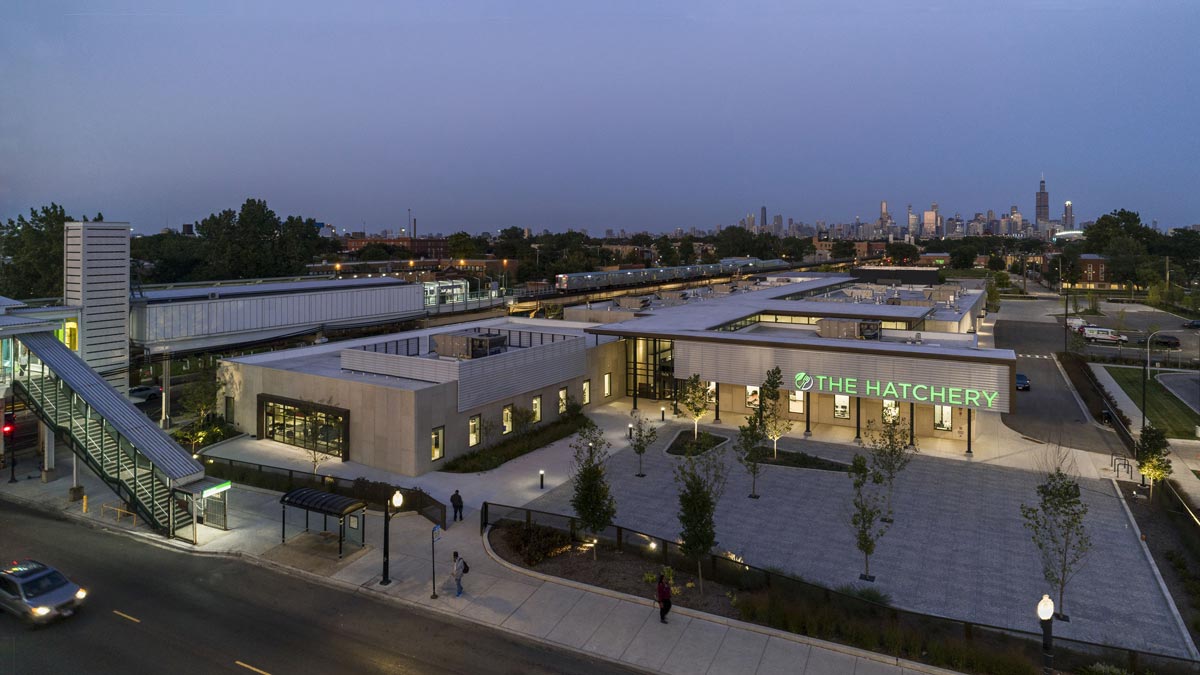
10,424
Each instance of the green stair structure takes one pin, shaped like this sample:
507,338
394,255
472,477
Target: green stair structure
156,478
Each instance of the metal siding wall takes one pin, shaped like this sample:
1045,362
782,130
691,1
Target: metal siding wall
746,365
177,320
410,367
483,381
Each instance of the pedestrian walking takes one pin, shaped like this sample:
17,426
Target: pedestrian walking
663,597
460,568
456,502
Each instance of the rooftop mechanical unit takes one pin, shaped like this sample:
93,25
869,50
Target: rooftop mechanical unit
469,345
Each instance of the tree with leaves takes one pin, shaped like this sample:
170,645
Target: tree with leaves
775,422
594,504
1152,451
199,397
868,518
522,419
843,249
694,396
890,451
1057,528
701,480
749,451
665,250
32,252
644,435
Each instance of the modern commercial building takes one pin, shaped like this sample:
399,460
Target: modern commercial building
851,352
1068,219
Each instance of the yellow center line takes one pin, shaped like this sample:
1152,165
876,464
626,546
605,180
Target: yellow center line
123,615
250,667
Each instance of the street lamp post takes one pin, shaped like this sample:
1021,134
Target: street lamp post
394,503
1045,612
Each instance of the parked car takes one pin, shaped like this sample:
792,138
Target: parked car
145,393
1106,335
1167,341
1194,323
38,593
1022,382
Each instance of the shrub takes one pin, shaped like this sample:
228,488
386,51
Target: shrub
684,444
486,459
535,543
1099,668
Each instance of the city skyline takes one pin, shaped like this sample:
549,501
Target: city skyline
479,117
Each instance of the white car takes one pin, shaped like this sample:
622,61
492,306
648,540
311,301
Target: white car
145,394
1105,335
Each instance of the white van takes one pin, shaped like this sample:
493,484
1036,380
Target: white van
1107,335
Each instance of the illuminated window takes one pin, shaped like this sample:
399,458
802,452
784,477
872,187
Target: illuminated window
841,406
438,443
607,385
506,419
891,410
796,401
587,392
751,396
474,430
942,418
562,401
537,409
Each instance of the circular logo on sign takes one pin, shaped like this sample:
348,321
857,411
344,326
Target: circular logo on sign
803,382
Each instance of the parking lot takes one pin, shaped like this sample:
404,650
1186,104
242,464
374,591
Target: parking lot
1139,321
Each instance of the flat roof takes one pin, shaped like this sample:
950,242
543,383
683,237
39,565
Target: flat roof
259,289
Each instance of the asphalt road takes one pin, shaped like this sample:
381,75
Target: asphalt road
184,613
1048,411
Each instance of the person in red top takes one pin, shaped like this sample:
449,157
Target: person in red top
663,596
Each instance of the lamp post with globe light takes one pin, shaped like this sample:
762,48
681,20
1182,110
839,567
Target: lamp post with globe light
389,509
1045,612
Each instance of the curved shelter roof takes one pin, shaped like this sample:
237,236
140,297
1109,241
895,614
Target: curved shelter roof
325,503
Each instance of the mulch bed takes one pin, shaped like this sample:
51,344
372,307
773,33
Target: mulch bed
622,571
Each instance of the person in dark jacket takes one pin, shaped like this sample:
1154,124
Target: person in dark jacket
663,596
456,502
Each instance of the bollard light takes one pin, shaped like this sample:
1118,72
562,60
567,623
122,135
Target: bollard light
663,413
631,431
542,480
1045,612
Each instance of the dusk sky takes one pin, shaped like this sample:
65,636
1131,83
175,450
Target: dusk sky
636,115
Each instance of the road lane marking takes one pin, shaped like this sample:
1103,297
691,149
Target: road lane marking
123,615
250,667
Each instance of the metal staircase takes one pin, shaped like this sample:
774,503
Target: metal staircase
108,433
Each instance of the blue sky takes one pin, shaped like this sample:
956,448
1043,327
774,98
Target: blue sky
554,114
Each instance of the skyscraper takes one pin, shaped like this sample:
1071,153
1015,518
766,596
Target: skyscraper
762,219
1068,222
1041,215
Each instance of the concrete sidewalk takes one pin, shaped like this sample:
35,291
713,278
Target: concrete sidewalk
594,621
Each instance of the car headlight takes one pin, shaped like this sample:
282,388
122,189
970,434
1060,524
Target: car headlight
41,611
80,594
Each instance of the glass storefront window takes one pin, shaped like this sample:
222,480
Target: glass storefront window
474,430
943,418
296,424
891,410
752,397
437,448
587,392
562,400
796,401
537,409
506,419
841,406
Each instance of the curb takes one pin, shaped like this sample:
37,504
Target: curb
724,621
1162,585
1087,414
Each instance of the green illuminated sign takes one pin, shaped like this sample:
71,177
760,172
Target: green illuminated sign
924,393
215,489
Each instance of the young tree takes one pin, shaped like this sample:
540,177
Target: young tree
749,454
868,511
890,451
695,397
644,435
594,504
1056,526
701,480
775,422
522,419
1152,451
199,396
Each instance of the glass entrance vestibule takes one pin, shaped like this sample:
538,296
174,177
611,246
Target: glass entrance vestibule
304,424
